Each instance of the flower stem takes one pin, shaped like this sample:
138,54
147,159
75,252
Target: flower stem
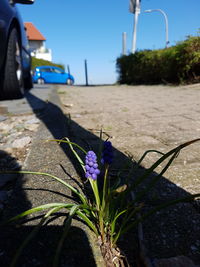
96,192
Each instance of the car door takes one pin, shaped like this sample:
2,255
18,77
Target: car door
58,75
46,74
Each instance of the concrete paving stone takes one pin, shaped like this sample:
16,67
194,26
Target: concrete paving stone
138,118
33,121
21,142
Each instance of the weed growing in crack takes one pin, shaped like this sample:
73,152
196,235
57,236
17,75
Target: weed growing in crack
108,212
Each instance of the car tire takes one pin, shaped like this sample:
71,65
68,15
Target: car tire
69,82
12,85
40,81
28,82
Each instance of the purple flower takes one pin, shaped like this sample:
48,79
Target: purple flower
107,156
91,165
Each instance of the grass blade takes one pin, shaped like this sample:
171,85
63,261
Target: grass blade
75,191
159,161
158,208
87,221
32,235
63,237
67,141
75,153
37,209
155,180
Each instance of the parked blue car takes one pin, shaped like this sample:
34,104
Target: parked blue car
51,74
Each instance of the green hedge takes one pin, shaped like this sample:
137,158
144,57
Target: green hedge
176,64
41,62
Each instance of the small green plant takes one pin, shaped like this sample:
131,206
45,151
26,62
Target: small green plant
108,212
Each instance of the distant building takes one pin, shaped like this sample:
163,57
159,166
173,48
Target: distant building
37,42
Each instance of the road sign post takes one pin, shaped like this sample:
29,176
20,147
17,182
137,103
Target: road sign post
86,73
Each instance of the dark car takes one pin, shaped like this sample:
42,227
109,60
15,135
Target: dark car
15,59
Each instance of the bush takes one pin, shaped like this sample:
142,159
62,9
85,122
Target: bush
41,62
176,64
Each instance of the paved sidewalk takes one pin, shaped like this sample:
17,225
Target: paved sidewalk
18,123
33,190
138,118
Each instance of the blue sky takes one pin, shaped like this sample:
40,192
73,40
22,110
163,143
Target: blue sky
92,29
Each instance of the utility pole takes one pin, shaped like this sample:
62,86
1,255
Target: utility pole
135,9
124,38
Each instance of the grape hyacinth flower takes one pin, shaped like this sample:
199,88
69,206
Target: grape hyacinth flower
107,156
91,165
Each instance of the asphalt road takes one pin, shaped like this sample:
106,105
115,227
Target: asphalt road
35,99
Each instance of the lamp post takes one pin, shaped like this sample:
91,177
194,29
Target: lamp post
166,23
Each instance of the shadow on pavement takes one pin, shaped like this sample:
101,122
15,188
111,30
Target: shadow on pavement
40,251
168,233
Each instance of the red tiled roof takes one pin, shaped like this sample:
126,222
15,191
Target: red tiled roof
32,33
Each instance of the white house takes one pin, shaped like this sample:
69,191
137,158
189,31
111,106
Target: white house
37,42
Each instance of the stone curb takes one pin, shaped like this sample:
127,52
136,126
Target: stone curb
31,191
44,155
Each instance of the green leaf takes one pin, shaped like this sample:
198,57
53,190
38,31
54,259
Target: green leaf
39,208
71,144
68,142
155,179
114,221
32,235
117,182
131,213
175,151
75,191
87,221
158,208
95,190
65,232
146,153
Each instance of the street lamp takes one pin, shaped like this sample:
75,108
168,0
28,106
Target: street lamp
166,22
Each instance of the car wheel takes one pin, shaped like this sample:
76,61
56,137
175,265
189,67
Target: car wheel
28,82
40,81
12,86
69,82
